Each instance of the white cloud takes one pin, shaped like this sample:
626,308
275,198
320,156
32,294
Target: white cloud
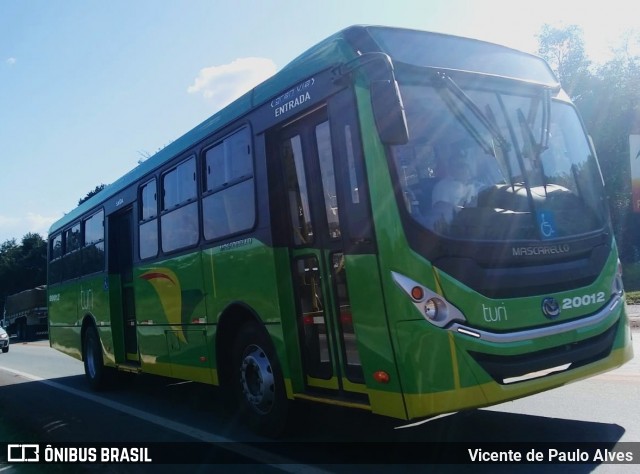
40,224
11,61
223,84
17,227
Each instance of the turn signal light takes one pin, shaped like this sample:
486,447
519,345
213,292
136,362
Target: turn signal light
417,293
381,376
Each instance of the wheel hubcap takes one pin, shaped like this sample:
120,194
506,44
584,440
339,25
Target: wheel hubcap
256,380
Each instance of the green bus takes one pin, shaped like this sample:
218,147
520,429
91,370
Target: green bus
399,221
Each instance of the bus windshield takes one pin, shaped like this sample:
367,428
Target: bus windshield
496,164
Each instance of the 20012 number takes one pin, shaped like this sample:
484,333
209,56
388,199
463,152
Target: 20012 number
585,300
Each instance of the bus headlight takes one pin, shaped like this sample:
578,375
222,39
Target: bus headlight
435,309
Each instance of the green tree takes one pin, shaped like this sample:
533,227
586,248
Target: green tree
90,194
563,48
611,115
33,261
607,96
9,256
22,266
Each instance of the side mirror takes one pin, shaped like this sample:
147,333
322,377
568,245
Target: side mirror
388,112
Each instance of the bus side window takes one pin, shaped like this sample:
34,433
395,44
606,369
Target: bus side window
72,261
228,206
350,174
179,223
93,246
148,235
55,259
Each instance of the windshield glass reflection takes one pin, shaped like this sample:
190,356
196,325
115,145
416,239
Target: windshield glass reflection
485,165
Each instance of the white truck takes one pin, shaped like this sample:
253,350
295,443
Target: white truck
25,314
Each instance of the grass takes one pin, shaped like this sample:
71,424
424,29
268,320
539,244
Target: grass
633,297
631,279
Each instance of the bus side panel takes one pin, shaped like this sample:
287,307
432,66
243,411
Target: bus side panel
66,339
243,273
290,355
94,303
390,241
190,355
64,332
372,335
169,303
63,304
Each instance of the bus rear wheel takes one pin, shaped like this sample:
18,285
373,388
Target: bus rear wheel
258,384
94,368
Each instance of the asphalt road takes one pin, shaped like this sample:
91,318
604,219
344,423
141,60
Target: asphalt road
60,408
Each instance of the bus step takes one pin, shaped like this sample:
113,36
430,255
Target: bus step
129,367
334,400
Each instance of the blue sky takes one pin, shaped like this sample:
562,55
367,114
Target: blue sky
88,88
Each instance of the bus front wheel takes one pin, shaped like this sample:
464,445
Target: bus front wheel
258,383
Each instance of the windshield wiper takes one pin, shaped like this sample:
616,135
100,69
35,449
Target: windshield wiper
505,158
488,121
469,127
471,105
535,147
520,158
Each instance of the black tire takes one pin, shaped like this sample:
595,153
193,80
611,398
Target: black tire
5,349
94,368
258,385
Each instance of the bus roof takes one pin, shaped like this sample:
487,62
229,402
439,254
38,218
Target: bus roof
340,47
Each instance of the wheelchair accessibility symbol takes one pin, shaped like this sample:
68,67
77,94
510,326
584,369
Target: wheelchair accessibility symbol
547,224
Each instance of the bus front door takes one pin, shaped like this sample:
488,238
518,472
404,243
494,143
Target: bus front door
330,357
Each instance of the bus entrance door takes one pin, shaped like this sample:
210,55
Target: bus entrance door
330,357
121,267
